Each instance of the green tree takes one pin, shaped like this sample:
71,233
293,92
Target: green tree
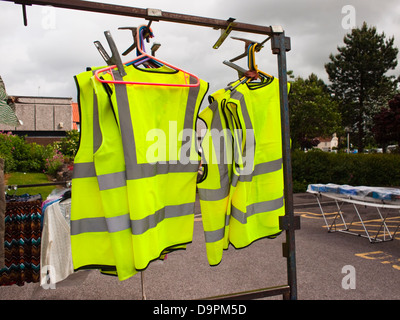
313,112
386,127
358,78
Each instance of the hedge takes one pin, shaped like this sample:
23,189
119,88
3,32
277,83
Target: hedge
379,170
20,156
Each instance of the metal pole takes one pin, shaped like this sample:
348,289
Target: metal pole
142,285
281,44
149,14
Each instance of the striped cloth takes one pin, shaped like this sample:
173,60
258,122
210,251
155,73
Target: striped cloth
7,114
22,241
2,213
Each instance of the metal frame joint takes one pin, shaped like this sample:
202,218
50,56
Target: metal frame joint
288,223
277,45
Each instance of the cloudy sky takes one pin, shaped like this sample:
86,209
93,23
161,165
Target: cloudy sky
42,58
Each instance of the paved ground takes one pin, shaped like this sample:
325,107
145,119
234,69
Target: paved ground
322,258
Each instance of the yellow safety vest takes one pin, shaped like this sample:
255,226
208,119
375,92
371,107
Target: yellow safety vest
214,189
90,248
257,182
157,127
241,198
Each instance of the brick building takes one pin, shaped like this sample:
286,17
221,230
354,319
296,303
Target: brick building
44,119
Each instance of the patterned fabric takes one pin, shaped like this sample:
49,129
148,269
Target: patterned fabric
22,240
7,114
3,94
2,213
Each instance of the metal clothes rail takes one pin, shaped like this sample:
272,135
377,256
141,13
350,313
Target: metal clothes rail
280,44
60,183
149,14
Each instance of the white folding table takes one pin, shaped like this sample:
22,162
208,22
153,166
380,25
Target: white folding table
386,201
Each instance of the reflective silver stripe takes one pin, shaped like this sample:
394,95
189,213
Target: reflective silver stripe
125,120
83,170
141,226
243,107
100,224
261,168
118,223
216,235
88,225
214,194
189,113
97,137
250,144
123,222
112,180
223,191
256,208
146,170
267,167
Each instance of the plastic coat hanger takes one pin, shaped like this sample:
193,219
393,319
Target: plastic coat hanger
144,55
251,62
253,73
149,34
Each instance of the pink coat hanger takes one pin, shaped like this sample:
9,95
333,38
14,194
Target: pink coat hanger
145,55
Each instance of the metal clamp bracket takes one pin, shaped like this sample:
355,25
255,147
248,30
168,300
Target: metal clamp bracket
133,45
115,58
154,48
154,13
224,33
286,224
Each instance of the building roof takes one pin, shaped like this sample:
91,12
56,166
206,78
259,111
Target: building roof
75,115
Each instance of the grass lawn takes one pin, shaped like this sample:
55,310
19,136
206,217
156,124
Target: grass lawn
20,178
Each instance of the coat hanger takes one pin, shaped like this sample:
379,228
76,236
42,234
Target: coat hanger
144,33
253,73
251,61
144,55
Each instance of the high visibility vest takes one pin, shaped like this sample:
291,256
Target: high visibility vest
90,248
241,196
109,161
214,189
157,128
257,188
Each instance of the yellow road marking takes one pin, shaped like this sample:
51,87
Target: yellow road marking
391,222
381,257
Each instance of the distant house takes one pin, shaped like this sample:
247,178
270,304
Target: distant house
44,119
328,144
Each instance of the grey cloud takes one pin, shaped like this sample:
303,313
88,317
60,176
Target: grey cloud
34,56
